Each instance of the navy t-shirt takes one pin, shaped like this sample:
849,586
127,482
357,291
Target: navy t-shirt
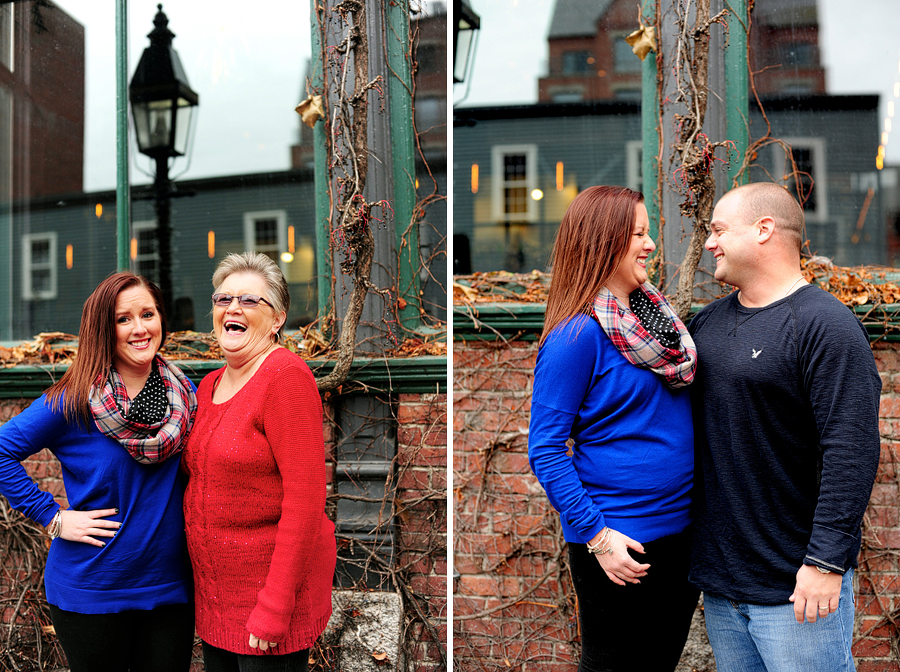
786,417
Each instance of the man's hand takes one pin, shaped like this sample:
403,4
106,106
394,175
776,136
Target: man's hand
816,595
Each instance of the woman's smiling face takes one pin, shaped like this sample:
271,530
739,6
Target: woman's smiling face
245,331
138,331
631,272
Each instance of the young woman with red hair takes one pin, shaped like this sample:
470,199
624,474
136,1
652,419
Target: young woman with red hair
611,375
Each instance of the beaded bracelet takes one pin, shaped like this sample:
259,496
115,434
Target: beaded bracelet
601,547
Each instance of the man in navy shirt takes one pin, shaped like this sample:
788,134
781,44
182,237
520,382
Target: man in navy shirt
786,422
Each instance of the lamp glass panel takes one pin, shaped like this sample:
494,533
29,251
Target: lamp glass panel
463,45
141,124
160,124
182,126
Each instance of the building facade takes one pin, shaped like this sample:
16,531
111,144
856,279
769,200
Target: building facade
518,168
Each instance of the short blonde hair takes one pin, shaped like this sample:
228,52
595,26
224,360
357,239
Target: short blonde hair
277,292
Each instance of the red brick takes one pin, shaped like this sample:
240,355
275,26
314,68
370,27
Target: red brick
511,463
884,494
410,436
883,583
871,648
436,437
884,516
414,479
877,666
890,407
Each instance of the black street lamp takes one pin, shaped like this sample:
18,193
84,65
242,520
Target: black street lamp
161,104
466,22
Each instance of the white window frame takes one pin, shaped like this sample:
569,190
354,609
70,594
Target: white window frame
634,153
144,225
28,266
8,38
819,176
498,152
280,217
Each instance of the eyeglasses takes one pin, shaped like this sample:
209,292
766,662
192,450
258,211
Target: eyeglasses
245,300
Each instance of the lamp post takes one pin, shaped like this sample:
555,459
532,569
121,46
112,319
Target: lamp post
466,22
161,104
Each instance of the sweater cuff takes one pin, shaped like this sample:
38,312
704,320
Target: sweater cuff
269,622
831,549
589,533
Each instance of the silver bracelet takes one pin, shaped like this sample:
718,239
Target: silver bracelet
601,547
54,529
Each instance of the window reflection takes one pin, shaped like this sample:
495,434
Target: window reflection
826,75
247,182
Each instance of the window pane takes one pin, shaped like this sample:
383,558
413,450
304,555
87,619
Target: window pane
514,167
40,281
805,169
515,200
146,241
266,232
625,59
40,252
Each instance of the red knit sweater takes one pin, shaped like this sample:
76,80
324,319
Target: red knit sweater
262,550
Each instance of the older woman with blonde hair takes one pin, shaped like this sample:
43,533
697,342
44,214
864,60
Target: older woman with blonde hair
262,549
611,375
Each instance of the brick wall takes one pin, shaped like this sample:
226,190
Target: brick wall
421,496
513,603
422,510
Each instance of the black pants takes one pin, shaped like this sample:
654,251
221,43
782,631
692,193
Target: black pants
159,640
219,660
637,626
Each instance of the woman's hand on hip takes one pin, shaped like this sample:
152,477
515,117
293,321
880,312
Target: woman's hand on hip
261,643
619,566
84,526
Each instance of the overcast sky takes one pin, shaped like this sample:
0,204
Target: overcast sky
246,61
859,43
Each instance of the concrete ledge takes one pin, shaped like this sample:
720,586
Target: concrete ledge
366,631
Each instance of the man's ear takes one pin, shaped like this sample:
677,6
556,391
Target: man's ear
765,229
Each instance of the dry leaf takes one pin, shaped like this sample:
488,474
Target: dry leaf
468,293
642,41
311,110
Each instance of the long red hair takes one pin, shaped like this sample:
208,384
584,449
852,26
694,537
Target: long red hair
591,242
97,344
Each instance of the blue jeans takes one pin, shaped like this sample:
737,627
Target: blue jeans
757,638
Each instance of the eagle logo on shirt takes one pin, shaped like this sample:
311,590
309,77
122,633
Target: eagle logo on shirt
756,353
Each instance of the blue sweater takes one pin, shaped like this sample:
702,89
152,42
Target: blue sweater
633,458
146,564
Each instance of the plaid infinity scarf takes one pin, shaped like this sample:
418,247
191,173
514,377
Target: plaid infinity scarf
676,365
146,443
